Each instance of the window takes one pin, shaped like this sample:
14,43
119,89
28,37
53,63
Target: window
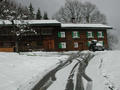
101,42
90,34
39,43
62,45
75,34
7,44
61,34
75,44
100,34
89,42
46,31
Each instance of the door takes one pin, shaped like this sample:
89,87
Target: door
48,44
81,46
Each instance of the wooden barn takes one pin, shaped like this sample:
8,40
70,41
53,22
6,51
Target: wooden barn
50,35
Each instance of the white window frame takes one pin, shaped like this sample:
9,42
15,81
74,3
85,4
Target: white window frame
100,34
76,45
75,34
62,34
90,34
63,45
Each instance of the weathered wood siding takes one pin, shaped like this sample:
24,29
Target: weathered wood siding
6,49
82,41
50,42
39,41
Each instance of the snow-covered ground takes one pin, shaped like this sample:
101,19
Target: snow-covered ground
62,78
23,71
104,69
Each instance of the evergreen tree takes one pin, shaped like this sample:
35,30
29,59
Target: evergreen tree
31,10
45,17
38,15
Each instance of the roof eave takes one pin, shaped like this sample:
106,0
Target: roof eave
86,27
48,24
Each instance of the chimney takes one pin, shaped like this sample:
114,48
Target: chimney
73,20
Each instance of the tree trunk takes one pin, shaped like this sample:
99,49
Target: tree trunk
16,45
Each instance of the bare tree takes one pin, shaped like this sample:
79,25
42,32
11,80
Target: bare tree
82,12
97,17
71,9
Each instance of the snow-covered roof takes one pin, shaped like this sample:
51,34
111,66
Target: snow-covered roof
55,22
35,22
5,22
71,25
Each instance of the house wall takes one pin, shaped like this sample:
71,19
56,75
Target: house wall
39,41
82,41
7,39
6,49
32,41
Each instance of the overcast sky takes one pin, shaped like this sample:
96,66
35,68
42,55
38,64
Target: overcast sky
109,7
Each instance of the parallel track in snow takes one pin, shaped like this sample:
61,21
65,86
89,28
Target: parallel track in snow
49,78
82,64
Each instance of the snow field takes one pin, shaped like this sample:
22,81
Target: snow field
104,70
21,72
62,77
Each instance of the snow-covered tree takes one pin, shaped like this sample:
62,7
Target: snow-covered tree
81,12
11,10
21,27
45,16
16,13
31,11
38,14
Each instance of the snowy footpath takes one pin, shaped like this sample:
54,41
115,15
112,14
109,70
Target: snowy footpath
23,71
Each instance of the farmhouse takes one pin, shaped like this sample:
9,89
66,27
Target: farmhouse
49,35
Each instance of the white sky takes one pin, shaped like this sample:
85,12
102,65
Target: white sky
109,7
